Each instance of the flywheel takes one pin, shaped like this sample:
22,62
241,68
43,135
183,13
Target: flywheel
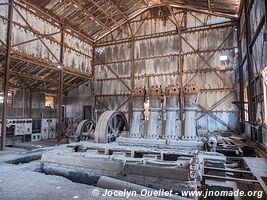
109,126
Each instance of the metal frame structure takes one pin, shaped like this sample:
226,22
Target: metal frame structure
255,94
205,67
91,22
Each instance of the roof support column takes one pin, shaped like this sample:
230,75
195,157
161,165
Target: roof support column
6,74
250,69
60,89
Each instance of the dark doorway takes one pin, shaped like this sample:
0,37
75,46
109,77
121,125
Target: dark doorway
87,112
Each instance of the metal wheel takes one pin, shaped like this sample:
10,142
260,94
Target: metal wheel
109,126
85,130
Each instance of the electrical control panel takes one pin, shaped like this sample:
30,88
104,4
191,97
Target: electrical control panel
48,128
35,137
22,126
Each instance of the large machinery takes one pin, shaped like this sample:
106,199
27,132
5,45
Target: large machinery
173,121
155,119
138,120
190,108
157,130
153,152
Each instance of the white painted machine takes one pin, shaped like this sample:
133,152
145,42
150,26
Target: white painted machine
48,128
22,126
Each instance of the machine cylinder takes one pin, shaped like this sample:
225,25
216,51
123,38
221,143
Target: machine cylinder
190,111
154,124
137,123
172,128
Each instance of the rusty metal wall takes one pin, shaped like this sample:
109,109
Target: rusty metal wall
257,26
27,26
156,62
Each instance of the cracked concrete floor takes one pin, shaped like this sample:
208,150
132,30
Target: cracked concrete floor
21,182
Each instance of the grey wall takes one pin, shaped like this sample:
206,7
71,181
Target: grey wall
20,107
77,98
156,63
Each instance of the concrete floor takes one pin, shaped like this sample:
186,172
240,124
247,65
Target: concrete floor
22,182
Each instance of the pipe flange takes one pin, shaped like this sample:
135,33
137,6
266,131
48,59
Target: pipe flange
154,91
172,90
138,91
191,89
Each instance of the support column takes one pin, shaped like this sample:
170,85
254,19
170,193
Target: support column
130,113
241,79
251,111
154,125
190,99
60,91
6,74
173,123
30,104
137,123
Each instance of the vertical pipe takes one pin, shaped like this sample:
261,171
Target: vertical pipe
6,74
61,81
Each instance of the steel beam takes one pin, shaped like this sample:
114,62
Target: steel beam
206,61
110,17
60,90
250,68
52,20
241,79
6,72
39,62
81,8
30,104
38,35
170,33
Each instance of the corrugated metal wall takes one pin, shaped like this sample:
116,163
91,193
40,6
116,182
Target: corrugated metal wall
256,14
78,54
156,62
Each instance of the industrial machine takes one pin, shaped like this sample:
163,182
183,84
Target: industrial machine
26,130
161,152
85,131
23,129
48,128
190,108
173,121
155,119
138,119
71,125
157,130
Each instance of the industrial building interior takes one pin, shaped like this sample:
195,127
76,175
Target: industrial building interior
135,99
